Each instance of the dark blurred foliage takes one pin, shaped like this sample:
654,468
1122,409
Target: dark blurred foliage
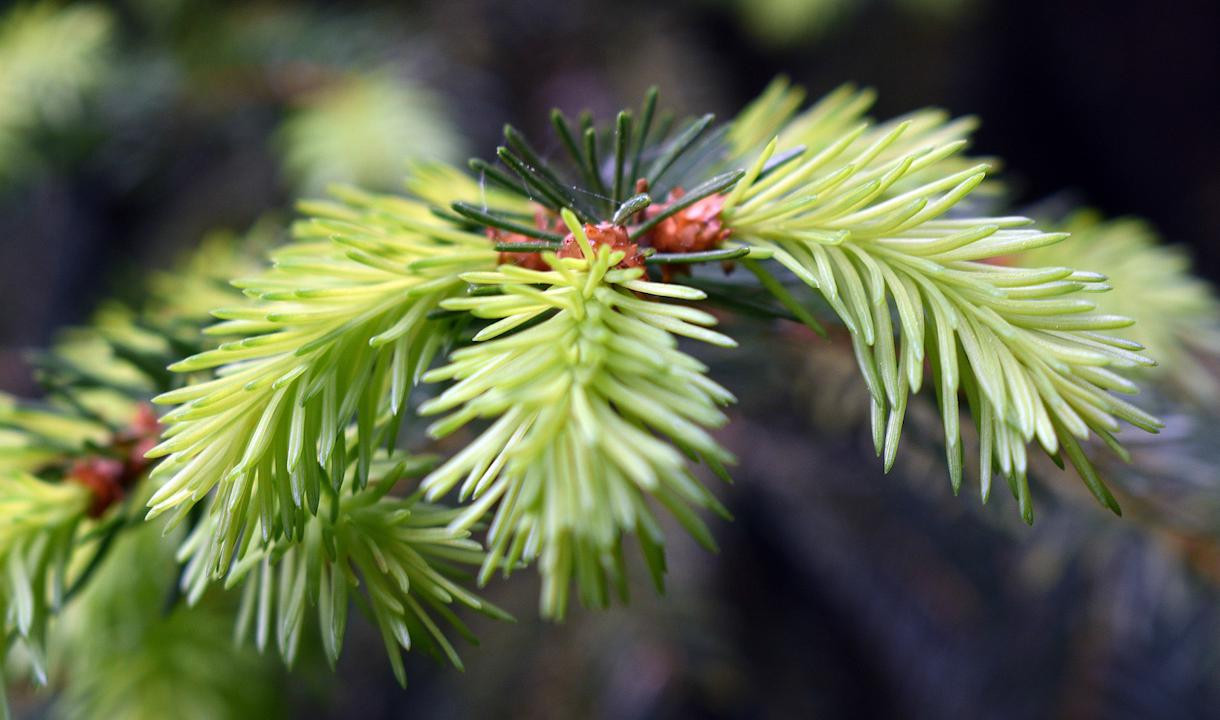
838,592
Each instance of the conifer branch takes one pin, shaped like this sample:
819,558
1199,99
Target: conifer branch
548,287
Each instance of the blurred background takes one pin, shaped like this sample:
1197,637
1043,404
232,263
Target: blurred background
131,130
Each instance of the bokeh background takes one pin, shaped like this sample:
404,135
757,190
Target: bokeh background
131,130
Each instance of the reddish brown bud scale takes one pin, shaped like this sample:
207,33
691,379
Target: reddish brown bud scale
140,437
102,476
693,229
108,478
614,236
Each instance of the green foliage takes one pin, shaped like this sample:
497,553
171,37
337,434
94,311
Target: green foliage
400,550
363,129
39,522
97,375
124,654
591,405
840,118
50,57
181,300
33,436
44,530
96,378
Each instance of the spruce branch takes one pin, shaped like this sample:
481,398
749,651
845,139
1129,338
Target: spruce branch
340,332
58,542
1177,316
547,262
557,292
866,220
38,532
343,325
402,551
580,392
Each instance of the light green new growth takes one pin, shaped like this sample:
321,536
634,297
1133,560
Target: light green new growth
840,117
580,395
591,405
340,331
866,221
38,527
1177,316
401,551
